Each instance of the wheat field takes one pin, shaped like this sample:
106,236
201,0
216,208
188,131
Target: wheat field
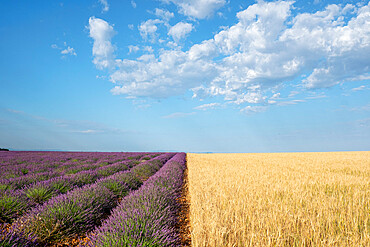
281,199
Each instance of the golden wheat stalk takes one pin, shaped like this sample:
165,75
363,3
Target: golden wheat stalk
284,199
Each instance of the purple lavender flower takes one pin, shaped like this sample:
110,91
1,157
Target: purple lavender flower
81,209
10,238
146,217
12,205
69,214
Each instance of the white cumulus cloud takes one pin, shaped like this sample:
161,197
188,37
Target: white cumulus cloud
148,29
172,73
103,51
206,50
69,51
199,9
246,63
180,30
163,14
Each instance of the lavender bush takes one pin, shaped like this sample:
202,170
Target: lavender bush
40,192
20,182
10,238
148,216
16,164
121,183
82,209
12,205
68,215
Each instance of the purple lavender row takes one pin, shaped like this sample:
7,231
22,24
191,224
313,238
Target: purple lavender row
20,182
148,216
23,157
22,164
14,203
80,210
83,177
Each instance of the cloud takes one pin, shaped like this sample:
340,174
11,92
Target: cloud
361,77
148,29
206,50
290,102
250,97
148,49
89,131
253,109
15,111
318,96
361,108
180,30
69,51
360,88
103,51
179,115
199,9
133,4
293,93
163,14
207,106
105,5
133,49
341,46
246,63
363,122
172,73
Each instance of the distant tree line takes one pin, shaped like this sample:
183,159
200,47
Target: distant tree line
4,149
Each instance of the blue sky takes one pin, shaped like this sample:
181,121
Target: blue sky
185,75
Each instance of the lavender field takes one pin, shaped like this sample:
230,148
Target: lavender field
90,199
